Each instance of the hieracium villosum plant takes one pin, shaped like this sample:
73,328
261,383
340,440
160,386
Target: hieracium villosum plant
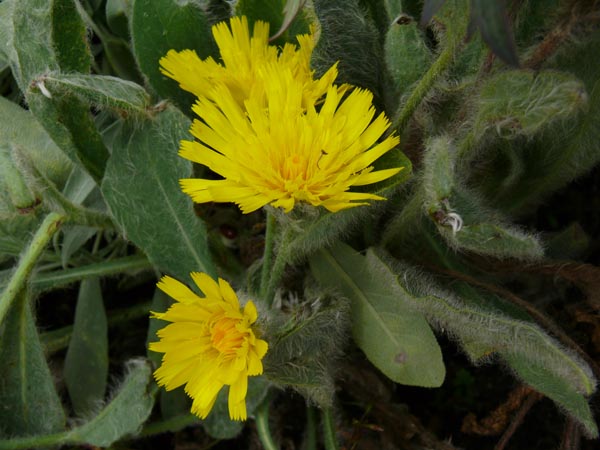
296,193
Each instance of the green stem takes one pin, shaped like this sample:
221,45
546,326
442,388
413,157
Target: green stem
56,200
262,425
43,235
425,83
329,430
172,424
276,273
54,280
310,440
25,443
268,254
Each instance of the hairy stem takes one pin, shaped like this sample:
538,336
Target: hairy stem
43,235
268,254
441,64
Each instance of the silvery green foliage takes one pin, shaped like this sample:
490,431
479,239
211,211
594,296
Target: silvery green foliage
495,116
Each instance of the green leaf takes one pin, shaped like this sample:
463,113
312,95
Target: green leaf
304,350
521,103
395,337
117,12
69,36
19,128
86,362
12,182
461,217
406,53
74,237
218,424
102,91
350,38
123,415
37,52
291,9
155,214
477,320
557,389
270,11
492,20
158,26
565,150
29,403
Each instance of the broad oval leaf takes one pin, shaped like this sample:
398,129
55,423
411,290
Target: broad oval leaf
141,189
158,26
395,337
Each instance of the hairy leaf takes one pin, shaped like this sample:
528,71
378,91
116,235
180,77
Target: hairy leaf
29,403
556,388
154,213
102,91
123,415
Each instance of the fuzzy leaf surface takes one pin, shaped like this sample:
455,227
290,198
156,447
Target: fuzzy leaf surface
86,362
350,37
124,414
491,329
101,90
555,388
18,127
520,103
153,212
38,50
158,26
477,227
29,403
396,338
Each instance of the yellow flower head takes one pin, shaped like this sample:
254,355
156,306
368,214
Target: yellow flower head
242,57
276,149
209,344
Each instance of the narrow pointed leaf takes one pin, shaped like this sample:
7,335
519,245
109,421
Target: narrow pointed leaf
86,362
29,403
555,388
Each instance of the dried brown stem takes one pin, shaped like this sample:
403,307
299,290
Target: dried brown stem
518,419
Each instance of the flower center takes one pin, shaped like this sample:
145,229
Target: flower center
225,336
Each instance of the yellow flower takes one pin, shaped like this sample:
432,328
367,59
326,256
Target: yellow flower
243,56
209,344
277,149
